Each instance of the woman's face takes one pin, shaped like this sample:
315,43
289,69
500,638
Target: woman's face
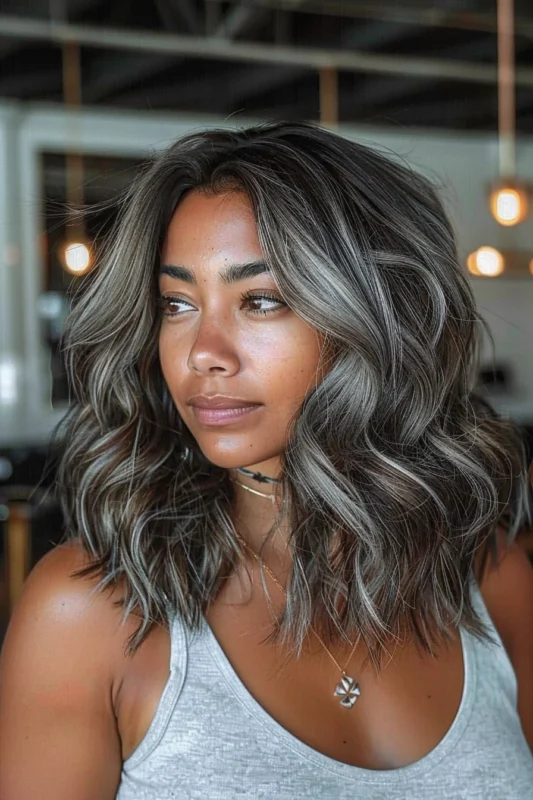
225,331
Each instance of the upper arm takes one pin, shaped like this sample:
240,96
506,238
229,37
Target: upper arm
508,594
58,734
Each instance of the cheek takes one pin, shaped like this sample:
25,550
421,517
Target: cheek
173,360
290,370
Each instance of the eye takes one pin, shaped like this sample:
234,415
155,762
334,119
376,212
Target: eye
250,298
166,303
170,305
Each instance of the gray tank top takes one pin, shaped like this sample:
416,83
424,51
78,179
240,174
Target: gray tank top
211,740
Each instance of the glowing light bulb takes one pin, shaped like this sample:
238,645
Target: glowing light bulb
486,261
471,263
77,257
508,205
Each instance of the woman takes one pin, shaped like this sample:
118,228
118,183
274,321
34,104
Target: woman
290,567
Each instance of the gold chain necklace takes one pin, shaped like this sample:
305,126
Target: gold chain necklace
347,688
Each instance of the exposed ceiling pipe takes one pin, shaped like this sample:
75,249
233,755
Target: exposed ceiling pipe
211,47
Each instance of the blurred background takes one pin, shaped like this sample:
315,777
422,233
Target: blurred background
90,89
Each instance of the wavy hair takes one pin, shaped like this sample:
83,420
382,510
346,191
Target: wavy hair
396,472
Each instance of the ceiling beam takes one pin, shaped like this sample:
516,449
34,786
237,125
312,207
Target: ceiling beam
115,74
112,75
214,47
42,9
370,34
378,94
244,19
427,17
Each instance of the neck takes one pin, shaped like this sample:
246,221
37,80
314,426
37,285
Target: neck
253,516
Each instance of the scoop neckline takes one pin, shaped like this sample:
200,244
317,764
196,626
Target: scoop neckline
339,768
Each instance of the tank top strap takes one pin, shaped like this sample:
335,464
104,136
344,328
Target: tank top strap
170,694
501,661
178,642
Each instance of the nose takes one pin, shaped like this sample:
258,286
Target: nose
214,349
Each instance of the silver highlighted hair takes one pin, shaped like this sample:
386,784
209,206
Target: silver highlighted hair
396,472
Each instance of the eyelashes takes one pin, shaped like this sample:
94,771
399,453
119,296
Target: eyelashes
251,297
164,304
167,301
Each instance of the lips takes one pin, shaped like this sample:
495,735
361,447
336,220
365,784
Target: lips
203,401
215,410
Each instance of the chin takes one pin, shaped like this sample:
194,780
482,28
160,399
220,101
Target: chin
237,456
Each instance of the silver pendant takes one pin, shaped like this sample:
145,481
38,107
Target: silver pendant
349,690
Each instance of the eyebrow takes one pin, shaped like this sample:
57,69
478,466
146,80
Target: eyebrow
231,274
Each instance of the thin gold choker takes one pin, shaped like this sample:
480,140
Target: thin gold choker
271,497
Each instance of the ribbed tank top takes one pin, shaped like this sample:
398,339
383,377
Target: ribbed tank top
211,740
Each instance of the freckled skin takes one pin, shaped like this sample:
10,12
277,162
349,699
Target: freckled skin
217,344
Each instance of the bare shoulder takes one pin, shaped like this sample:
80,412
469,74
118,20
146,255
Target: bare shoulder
507,589
59,669
54,602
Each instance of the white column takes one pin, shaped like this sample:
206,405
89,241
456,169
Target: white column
13,394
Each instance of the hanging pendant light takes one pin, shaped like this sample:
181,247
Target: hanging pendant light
75,253
509,197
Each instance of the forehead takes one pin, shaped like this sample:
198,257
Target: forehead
206,228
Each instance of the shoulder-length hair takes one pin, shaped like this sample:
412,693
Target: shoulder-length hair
395,472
